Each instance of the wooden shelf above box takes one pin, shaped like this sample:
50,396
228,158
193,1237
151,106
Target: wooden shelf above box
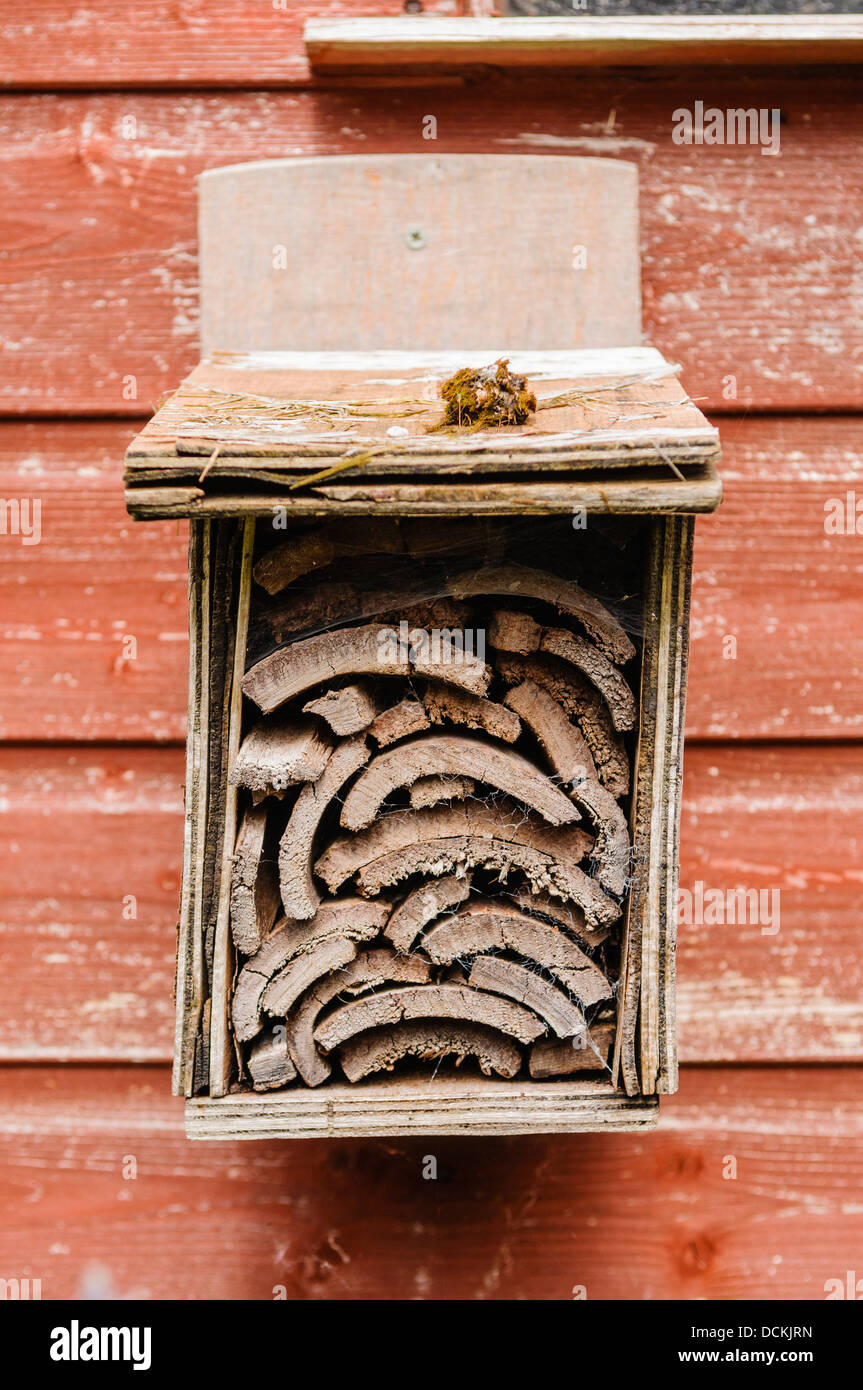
614,432
418,41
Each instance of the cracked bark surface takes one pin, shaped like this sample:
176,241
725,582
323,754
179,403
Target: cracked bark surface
378,712
583,704
371,969
564,915
430,791
275,756
513,631
269,1063
524,582
399,721
506,977
299,894
598,669
453,754
447,839
381,1049
424,905
444,704
368,650
585,1052
254,884
483,927
437,1002
350,919
347,711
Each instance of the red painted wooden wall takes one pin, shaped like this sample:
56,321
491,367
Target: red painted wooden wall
752,281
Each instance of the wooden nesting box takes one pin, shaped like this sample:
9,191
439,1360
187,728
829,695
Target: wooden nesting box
438,663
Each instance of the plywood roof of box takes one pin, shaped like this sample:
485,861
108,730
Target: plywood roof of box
614,430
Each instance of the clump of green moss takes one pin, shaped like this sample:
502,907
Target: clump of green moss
479,397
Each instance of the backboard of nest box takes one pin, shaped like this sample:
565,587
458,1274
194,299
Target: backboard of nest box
438,658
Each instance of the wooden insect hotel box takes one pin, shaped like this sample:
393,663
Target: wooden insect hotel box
441,505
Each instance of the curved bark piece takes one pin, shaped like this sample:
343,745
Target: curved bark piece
370,970
372,650
544,998
309,966
269,1064
583,703
570,757
563,743
565,916
599,671
275,756
444,704
585,1052
430,791
513,631
566,597
493,927
300,897
312,608
453,754
399,721
611,852
423,905
448,839
315,549
254,884
392,1006
381,1050
447,654
349,918
347,711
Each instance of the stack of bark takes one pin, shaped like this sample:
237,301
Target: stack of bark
433,854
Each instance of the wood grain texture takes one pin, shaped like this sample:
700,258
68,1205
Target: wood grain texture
642,1216
412,258
582,41
87,828
70,603
90,836
98,224
766,574
242,42
224,43
784,820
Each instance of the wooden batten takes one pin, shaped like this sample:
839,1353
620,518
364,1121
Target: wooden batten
645,1054
190,984
221,1051
628,493
447,1106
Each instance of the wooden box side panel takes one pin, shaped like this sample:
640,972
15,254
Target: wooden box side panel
203,966
189,988
394,1107
645,1045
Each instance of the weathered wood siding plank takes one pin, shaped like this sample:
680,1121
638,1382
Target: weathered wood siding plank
625,1216
99,274
104,43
